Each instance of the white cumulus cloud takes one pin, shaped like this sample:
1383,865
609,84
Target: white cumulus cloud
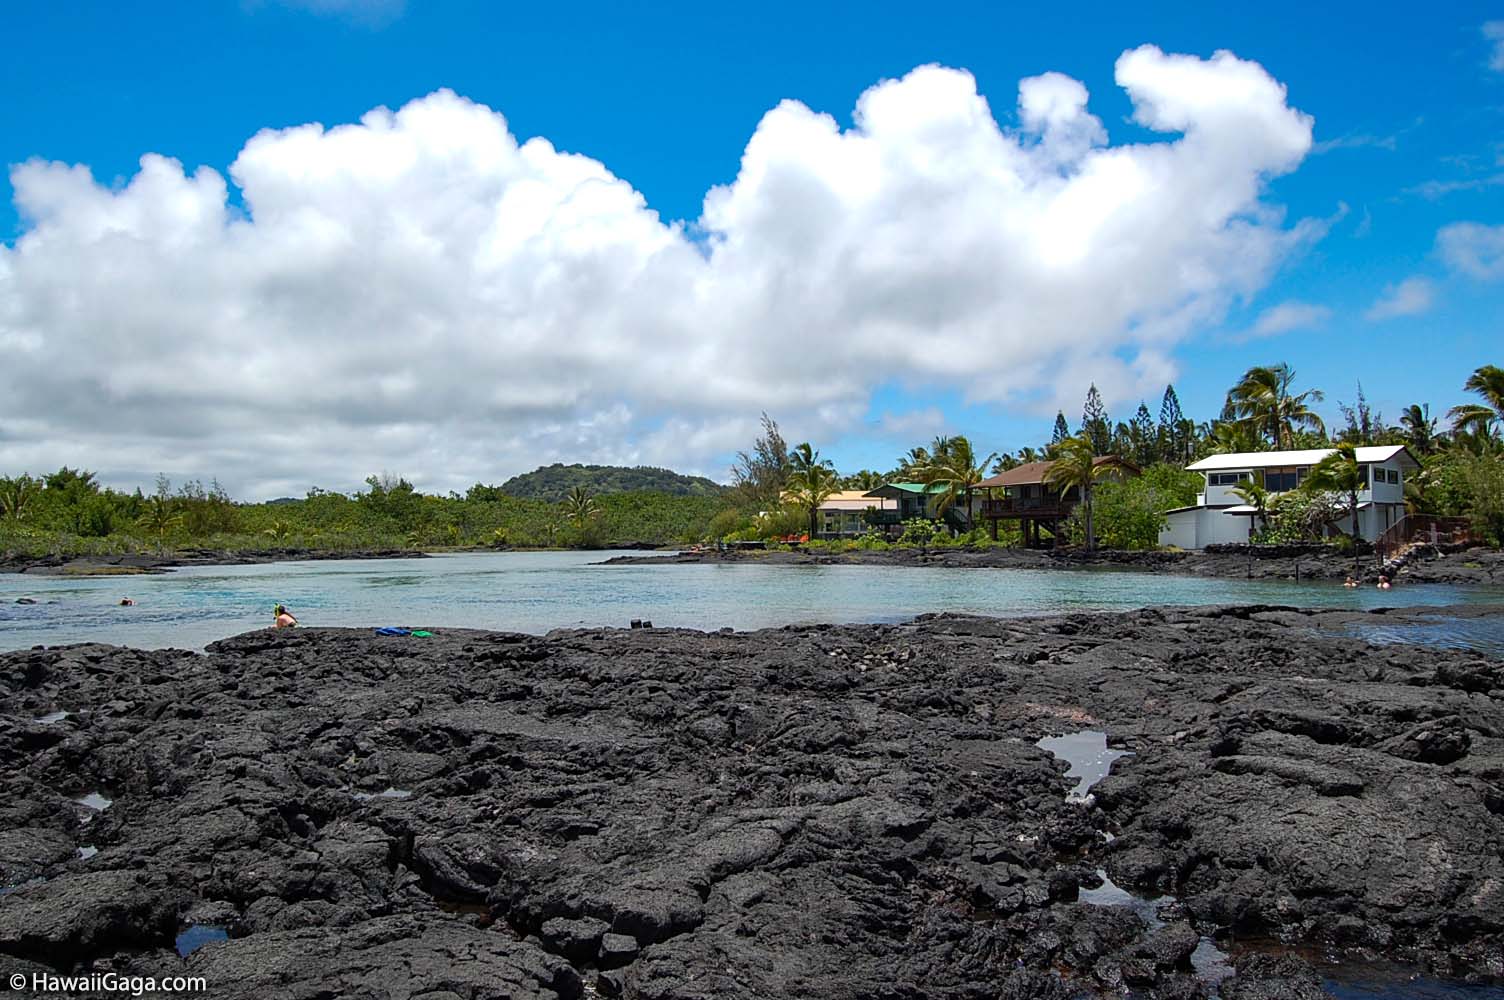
1289,316
422,293
1493,32
1473,249
1410,297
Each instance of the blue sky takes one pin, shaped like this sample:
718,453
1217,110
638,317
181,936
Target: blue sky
1407,130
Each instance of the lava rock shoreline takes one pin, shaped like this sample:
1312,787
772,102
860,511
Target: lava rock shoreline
148,563
1475,566
834,811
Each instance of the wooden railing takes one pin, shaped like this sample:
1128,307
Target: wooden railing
1027,507
1421,528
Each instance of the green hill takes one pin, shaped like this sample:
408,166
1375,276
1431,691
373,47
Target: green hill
552,482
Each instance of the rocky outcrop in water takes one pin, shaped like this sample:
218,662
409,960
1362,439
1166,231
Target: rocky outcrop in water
1476,566
834,811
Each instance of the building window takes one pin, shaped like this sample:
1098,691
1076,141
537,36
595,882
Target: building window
1281,480
1227,478
1363,477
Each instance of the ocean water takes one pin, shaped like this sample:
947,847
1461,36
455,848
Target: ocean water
538,591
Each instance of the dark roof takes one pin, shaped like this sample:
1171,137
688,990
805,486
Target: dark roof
895,490
1032,473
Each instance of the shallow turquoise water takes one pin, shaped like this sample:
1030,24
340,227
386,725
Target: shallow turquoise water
538,591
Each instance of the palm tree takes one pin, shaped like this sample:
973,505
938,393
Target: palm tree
160,518
16,494
1263,398
1480,418
1024,455
1234,437
959,471
1416,501
1076,464
1419,428
280,530
864,480
812,480
917,458
1340,472
580,506
1255,495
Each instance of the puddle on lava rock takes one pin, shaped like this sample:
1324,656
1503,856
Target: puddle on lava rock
194,936
87,851
51,717
1211,963
1109,893
1343,980
1088,755
390,793
6,890
95,801
1090,760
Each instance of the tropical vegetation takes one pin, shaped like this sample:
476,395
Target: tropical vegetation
69,513
776,491
554,482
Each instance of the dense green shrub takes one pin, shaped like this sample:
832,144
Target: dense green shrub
920,531
726,523
1129,513
1300,516
1483,479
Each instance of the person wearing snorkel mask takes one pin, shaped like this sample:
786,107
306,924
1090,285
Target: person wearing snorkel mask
283,617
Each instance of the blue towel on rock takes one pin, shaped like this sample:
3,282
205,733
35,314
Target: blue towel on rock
393,630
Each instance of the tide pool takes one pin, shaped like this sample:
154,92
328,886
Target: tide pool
539,591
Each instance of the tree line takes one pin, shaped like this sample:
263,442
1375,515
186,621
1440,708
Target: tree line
69,512
1462,466
777,489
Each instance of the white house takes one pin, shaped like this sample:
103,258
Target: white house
1219,515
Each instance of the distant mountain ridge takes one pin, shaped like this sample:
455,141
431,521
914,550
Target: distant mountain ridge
552,482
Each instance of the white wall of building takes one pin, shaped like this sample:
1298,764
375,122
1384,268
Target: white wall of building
1179,530
1222,496
1386,492
1202,526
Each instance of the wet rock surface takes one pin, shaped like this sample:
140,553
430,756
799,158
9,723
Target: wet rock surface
834,811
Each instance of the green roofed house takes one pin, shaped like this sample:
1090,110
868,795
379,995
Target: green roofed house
909,500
